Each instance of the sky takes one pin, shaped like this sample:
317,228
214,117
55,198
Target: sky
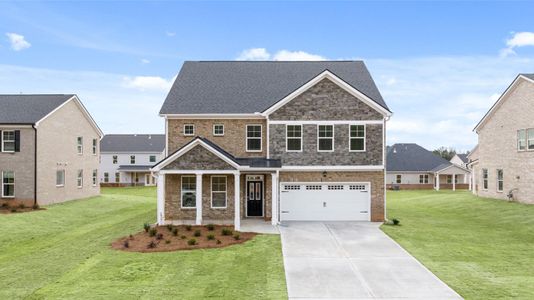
439,65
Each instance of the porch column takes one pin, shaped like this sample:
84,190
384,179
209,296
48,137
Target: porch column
161,199
437,182
274,198
237,202
199,199
454,182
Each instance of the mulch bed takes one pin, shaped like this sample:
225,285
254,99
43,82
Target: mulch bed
17,209
165,240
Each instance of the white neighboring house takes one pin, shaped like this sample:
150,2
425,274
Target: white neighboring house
462,160
126,159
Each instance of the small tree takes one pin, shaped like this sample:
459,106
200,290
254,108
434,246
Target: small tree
446,153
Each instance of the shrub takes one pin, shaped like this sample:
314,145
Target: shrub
210,227
192,242
210,237
396,221
159,236
146,226
13,210
131,237
152,244
5,205
22,206
126,244
226,231
218,242
237,237
183,237
167,241
169,227
188,227
152,231
197,233
35,206
175,231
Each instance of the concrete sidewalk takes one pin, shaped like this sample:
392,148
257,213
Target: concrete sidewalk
353,260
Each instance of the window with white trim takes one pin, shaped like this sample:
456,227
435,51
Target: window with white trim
530,139
293,138
115,159
79,144
8,184
521,139
189,191
95,145
60,178
152,158
8,141
218,191
399,179
357,138
423,178
189,129
218,130
117,177
106,177
132,159
485,179
79,179
253,138
500,180
325,138
95,175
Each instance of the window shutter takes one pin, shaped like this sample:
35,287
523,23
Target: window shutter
17,140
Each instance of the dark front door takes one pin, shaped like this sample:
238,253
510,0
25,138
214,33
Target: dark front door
254,198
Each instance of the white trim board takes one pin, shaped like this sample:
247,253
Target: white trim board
213,116
333,168
335,79
326,122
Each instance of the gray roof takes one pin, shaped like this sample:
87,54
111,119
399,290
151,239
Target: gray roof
413,158
226,87
531,76
133,143
463,157
28,109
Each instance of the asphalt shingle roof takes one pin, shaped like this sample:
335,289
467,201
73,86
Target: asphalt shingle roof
28,109
226,87
413,158
531,76
133,143
463,157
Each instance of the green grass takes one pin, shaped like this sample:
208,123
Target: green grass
482,248
64,252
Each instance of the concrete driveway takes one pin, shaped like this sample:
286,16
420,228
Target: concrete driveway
353,260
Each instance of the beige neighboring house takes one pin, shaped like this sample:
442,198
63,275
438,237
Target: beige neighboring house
503,161
49,149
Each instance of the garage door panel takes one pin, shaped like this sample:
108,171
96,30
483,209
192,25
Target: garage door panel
324,202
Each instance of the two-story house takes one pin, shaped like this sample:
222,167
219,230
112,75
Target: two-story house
49,148
272,140
126,159
503,160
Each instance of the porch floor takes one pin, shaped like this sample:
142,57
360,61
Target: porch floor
259,226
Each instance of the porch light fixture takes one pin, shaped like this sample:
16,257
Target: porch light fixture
324,173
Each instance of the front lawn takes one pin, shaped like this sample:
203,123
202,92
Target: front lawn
64,252
482,248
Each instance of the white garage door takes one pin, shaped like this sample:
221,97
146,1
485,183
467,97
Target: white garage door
317,201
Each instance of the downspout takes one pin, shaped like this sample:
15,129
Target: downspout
35,167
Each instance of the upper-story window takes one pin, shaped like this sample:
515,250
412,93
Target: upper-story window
132,159
325,138
95,145
218,130
530,139
189,129
8,141
500,180
152,158
79,142
254,138
8,184
294,138
521,139
357,137
485,179
115,159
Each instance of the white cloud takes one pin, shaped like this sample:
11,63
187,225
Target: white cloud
17,41
145,61
254,54
170,33
283,55
144,83
518,39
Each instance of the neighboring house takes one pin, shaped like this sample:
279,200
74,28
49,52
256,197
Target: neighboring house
49,148
503,161
126,159
460,160
272,140
410,166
